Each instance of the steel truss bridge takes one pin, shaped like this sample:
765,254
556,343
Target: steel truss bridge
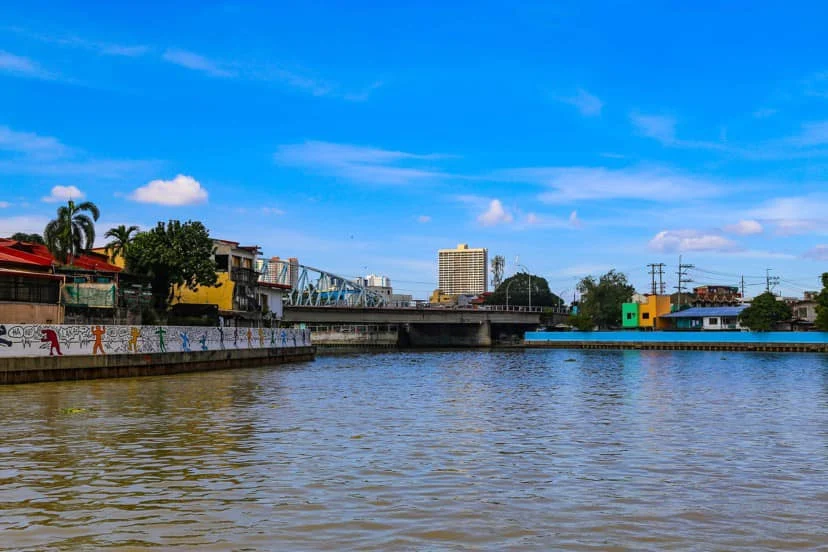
312,287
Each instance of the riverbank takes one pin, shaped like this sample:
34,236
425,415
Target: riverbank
794,342
82,367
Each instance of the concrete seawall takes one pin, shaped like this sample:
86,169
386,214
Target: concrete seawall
80,367
682,346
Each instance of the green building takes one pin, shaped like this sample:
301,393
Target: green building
629,315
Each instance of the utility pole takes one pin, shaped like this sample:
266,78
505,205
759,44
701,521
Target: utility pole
770,281
682,277
661,287
743,288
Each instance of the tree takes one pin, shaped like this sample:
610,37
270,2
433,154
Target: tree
765,311
582,322
601,299
518,290
72,232
171,255
121,240
821,322
29,238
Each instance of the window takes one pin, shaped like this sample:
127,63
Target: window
221,262
630,315
646,316
712,321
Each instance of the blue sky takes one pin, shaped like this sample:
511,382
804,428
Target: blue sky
361,138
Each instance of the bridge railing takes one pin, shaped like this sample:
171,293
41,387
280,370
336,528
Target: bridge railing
490,308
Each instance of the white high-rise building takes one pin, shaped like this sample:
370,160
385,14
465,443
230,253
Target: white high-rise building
463,270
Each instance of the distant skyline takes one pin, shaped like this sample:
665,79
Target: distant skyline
577,137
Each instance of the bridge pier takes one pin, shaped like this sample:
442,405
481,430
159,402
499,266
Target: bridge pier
477,334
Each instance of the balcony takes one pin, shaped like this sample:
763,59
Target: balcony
245,276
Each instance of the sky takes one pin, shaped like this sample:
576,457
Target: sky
568,137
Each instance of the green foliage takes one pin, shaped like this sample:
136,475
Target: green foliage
601,299
517,287
765,311
173,254
72,232
29,238
581,322
822,305
121,238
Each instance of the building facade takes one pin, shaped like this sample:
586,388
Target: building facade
463,271
276,270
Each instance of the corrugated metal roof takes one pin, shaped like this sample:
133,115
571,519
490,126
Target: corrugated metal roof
698,312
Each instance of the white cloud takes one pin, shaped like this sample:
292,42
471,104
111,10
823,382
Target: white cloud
532,218
273,211
669,241
181,190
27,224
818,253
357,163
795,214
744,228
571,184
31,144
196,62
574,221
422,219
22,66
659,127
4,204
588,104
813,133
63,193
495,214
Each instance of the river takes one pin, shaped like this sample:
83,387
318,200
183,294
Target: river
466,450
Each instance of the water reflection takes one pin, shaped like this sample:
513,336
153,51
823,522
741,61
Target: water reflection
574,450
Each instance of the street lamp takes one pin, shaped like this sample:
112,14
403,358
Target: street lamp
507,293
530,282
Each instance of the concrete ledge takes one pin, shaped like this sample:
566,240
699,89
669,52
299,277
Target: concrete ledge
41,369
682,346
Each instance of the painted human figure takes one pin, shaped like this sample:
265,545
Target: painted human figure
160,332
283,335
98,332
261,337
221,337
203,341
185,341
50,337
236,337
249,338
4,342
272,337
132,345
293,336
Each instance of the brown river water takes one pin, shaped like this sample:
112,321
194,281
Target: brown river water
470,450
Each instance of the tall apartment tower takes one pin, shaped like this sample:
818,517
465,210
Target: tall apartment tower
273,271
463,270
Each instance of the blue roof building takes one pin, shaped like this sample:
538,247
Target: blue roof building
706,318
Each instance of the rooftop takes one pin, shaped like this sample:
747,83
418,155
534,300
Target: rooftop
698,312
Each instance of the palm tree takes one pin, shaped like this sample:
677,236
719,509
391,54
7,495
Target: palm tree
121,239
72,232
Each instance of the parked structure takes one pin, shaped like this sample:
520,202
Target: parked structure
705,318
463,270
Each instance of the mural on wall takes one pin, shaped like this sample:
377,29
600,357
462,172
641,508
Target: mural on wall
60,340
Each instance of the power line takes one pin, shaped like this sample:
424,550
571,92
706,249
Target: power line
657,268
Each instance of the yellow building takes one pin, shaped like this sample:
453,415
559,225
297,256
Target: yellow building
236,294
440,298
650,311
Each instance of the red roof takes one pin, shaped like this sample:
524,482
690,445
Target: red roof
37,275
35,255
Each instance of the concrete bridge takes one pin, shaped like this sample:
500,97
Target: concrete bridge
435,326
